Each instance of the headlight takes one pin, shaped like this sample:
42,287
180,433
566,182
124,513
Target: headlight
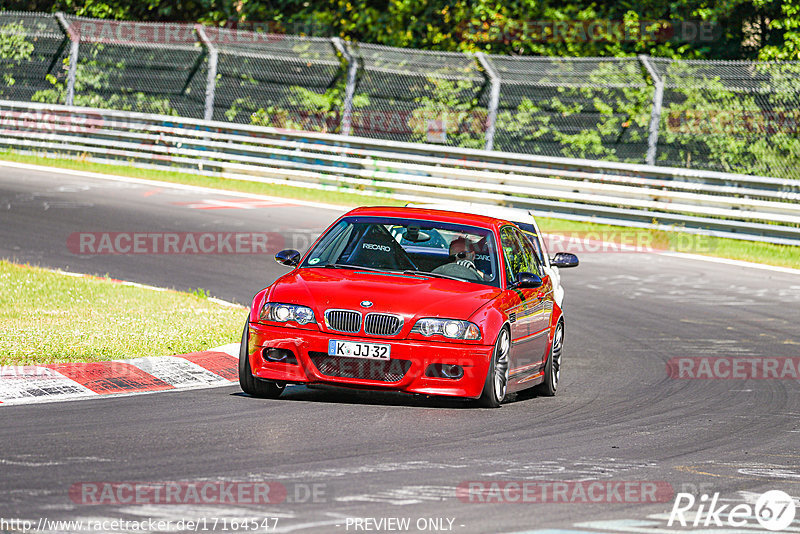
282,313
449,328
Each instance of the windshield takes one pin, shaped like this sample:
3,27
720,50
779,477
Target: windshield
421,247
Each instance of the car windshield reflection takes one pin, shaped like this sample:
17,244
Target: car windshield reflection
418,247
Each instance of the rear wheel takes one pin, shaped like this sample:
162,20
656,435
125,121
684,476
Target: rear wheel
552,369
494,389
250,384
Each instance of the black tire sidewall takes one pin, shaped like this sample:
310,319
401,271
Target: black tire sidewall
250,384
547,388
488,398
245,374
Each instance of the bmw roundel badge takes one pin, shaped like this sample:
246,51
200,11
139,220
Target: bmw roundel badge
366,304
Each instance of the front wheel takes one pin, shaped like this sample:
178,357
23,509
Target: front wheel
250,384
552,369
494,389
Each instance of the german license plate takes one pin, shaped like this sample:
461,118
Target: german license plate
356,349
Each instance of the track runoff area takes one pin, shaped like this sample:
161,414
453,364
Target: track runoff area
677,410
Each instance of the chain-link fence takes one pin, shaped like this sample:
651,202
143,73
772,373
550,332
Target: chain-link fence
415,95
277,80
138,66
33,48
596,108
728,116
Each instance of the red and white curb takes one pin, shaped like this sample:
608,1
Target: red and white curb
70,381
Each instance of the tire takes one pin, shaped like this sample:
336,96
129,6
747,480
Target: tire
251,385
494,389
552,369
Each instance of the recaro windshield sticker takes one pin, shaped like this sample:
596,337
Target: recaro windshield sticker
375,246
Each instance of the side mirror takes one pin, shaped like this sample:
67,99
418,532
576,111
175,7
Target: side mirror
527,280
564,259
288,257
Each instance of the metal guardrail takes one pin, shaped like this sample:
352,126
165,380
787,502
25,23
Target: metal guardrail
702,202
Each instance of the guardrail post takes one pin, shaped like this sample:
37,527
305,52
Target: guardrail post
350,89
494,98
655,114
74,42
211,80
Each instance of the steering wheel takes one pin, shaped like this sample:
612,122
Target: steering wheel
458,271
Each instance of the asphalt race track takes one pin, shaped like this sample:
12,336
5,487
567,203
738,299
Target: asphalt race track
618,415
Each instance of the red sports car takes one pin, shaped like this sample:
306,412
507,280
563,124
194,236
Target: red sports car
416,300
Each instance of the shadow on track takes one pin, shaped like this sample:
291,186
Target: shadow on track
338,395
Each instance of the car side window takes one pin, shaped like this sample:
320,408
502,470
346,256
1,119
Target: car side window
517,259
533,239
527,244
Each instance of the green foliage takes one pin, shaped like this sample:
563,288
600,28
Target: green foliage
788,24
461,119
741,29
94,87
289,106
299,109
152,10
200,293
14,49
722,30
13,44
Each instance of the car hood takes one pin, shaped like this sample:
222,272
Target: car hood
406,295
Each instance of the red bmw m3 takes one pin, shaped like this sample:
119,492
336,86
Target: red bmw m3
417,300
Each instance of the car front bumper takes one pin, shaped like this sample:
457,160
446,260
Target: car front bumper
405,371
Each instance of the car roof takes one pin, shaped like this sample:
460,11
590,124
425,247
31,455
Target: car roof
438,214
498,212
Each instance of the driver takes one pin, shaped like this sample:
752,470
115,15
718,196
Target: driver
463,253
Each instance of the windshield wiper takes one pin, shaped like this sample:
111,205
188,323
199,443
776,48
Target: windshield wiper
434,275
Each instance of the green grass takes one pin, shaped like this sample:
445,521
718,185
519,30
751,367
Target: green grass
47,317
781,255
